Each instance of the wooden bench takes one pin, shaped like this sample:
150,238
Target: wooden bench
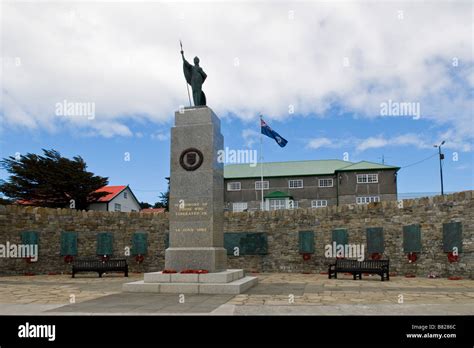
356,268
99,266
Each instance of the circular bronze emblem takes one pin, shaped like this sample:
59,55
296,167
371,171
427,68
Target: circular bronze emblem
191,159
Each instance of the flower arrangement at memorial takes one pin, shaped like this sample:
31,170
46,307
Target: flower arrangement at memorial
376,256
139,258
412,257
169,271
68,258
453,257
194,271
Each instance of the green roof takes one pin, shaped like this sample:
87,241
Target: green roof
364,165
298,168
277,194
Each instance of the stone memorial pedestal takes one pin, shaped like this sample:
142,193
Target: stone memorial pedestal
196,213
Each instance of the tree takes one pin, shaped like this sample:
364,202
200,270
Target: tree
145,205
51,180
164,198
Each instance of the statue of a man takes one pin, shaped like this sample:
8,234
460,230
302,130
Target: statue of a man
195,76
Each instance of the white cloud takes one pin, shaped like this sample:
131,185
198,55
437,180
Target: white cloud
418,141
414,140
160,136
125,58
319,142
250,136
371,143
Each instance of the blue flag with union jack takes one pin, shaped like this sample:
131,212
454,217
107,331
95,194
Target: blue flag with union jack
266,130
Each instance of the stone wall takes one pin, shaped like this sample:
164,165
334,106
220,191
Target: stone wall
49,223
281,227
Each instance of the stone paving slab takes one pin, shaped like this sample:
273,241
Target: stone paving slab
311,294
151,303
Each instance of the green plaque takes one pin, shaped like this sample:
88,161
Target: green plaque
452,237
139,243
375,243
68,243
105,243
412,239
249,243
339,235
306,242
254,244
232,241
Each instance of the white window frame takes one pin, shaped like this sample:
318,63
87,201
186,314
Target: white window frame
293,181
278,203
367,199
319,203
295,204
266,185
117,207
230,184
238,207
370,178
331,180
125,195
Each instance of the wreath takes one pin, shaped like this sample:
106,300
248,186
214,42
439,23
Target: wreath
306,256
194,271
104,258
453,257
139,258
376,256
68,258
412,257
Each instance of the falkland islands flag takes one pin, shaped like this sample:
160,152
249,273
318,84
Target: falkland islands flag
266,130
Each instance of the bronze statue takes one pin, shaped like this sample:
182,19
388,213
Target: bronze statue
195,76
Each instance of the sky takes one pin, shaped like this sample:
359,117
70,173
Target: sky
328,76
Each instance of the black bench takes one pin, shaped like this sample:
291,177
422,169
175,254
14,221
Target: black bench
99,266
356,268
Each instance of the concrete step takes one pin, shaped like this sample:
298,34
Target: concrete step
234,287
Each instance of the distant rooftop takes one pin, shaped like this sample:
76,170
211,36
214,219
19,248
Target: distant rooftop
299,168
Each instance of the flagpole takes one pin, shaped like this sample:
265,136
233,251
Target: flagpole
261,162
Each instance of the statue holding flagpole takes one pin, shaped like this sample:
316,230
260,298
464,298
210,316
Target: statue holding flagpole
195,77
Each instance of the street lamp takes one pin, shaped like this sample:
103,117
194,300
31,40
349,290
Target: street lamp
441,157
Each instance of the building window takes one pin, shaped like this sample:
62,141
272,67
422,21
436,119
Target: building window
233,186
125,195
117,207
293,204
258,185
277,204
326,183
367,178
319,203
239,207
295,183
367,200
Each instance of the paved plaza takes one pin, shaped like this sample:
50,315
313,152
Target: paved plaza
276,294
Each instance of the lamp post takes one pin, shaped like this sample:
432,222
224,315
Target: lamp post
441,157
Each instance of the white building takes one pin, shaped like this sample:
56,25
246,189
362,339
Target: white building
119,198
